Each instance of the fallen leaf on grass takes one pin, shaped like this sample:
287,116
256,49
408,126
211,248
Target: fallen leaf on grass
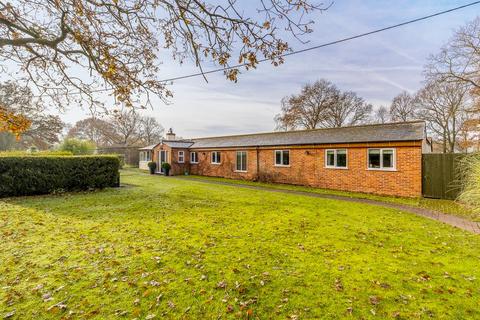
374,300
47,297
60,306
338,285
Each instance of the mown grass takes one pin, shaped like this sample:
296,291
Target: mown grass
175,249
445,206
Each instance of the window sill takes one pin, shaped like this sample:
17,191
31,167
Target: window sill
380,169
193,162
240,171
215,163
338,168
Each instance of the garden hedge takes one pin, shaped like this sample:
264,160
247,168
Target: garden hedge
26,175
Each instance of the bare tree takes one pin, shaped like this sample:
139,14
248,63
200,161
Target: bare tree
322,105
44,129
459,59
444,105
308,109
403,107
124,128
150,130
348,110
92,129
381,115
117,42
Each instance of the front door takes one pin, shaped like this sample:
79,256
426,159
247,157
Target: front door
162,159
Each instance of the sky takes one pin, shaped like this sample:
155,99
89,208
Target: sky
377,68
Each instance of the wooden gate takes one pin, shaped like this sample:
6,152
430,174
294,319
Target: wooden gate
440,175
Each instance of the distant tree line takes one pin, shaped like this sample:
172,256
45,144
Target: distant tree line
123,129
449,100
45,131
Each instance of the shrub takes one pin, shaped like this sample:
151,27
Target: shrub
77,146
21,153
152,166
166,168
471,181
30,175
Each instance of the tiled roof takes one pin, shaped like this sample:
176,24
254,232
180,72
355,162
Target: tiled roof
401,131
170,143
148,147
177,144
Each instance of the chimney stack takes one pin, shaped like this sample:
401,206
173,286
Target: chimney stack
170,135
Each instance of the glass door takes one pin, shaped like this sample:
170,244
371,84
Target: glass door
163,158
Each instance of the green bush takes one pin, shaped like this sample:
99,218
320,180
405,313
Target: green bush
152,166
166,166
21,153
77,146
30,175
471,181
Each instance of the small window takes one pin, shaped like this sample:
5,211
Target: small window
381,159
336,158
241,161
181,156
282,157
193,157
216,157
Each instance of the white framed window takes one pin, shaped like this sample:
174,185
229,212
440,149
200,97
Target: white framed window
193,157
381,159
282,158
336,158
216,157
181,156
241,163
145,155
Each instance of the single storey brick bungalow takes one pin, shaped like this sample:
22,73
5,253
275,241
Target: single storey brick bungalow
381,158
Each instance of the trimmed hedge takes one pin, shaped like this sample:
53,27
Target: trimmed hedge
42,153
20,176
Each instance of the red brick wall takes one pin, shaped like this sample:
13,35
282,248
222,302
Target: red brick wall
307,167
172,158
227,167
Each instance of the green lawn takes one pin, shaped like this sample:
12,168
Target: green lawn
168,248
445,206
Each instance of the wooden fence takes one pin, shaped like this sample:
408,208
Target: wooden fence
130,154
441,175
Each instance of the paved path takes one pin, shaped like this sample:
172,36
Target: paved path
452,220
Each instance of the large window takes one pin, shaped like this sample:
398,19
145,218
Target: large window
145,156
336,158
216,158
193,157
282,157
241,164
181,156
381,159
